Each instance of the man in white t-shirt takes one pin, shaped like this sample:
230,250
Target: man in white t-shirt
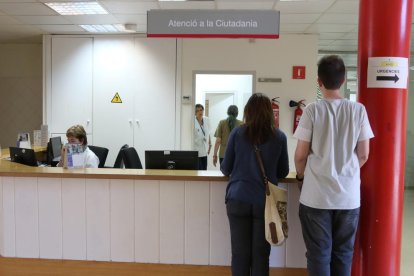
333,144
202,140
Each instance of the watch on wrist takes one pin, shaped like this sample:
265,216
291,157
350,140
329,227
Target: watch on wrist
299,179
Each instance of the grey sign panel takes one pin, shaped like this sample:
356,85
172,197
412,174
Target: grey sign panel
213,23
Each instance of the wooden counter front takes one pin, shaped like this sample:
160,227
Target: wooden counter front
125,215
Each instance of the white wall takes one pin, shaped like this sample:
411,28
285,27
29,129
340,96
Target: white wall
268,58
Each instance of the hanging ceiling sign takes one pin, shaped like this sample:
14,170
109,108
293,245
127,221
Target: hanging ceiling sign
213,23
387,72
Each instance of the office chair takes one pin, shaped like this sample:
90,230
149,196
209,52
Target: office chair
102,154
131,158
119,162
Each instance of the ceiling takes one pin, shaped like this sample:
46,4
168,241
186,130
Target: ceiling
336,21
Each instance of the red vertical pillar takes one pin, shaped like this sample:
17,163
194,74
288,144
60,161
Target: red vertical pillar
384,31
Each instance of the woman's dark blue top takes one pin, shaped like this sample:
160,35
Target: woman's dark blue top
240,163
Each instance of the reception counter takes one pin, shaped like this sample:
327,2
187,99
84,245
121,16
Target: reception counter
146,216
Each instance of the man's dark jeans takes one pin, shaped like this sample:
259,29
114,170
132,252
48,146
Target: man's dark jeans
329,237
202,163
249,248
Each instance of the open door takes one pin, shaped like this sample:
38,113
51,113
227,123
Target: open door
216,92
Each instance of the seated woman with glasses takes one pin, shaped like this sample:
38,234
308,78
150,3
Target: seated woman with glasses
77,139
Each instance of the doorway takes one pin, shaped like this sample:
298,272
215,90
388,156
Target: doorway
216,92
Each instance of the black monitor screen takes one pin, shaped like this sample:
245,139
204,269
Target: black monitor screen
56,147
23,156
171,159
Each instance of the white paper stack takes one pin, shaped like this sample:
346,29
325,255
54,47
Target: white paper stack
45,135
37,138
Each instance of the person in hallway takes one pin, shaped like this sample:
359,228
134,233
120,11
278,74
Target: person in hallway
77,135
223,131
333,144
202,140
245,193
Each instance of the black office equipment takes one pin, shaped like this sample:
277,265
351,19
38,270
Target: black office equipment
131,158
101,153
171,159
54,149
119,162
23,156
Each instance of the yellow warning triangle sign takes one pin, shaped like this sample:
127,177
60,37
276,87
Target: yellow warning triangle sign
116,98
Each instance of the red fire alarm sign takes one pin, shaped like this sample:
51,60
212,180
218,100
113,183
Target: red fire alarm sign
299,72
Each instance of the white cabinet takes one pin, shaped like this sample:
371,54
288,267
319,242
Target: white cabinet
155,109
71,84
86,73
142,72
113,73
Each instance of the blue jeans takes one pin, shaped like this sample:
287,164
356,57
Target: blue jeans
221,160
249,249
202,163
329,238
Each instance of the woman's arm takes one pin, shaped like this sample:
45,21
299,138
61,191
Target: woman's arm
283,164
226,166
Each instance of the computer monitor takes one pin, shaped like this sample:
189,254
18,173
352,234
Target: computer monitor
23,156
171,159
54,148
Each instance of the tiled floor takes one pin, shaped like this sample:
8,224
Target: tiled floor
407,264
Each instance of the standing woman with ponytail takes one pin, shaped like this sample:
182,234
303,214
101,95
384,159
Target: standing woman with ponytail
245,193
223,131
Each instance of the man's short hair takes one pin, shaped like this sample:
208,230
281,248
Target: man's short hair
331,71
199,106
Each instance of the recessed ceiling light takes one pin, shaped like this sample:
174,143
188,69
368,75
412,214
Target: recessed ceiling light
77,8
101,28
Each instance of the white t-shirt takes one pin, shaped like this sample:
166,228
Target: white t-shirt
91,160
87,159
201,136
332,174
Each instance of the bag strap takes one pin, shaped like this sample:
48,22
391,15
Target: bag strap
260,161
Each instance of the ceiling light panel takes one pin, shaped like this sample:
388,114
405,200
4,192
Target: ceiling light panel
100,28
77,8
60,29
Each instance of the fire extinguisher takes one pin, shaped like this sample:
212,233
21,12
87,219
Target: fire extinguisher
275,108
298,112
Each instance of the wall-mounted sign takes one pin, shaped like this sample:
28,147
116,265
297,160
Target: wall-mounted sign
387,72
298,72
116,98
213,23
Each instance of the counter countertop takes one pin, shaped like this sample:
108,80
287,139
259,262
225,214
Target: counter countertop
8,168
6,153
